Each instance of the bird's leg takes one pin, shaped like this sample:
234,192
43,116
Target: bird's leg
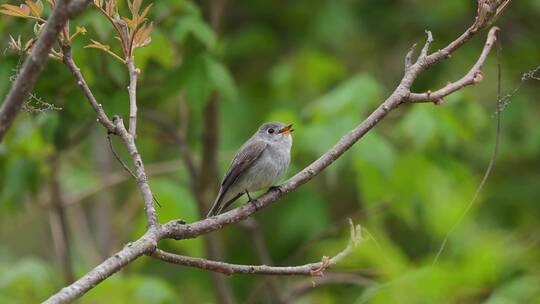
277,188
249,197
251,201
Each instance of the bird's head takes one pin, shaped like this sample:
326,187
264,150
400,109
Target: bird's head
275,131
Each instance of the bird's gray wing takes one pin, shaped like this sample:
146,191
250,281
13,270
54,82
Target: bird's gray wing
244,159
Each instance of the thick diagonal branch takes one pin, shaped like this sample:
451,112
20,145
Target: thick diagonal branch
34,63
130,252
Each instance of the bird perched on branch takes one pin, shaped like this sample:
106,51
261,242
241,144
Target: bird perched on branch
258,165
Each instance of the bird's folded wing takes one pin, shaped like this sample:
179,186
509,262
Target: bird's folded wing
245,157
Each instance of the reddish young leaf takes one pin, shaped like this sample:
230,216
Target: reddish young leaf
25,9
136,7
145,11
13,10
34,8
142,37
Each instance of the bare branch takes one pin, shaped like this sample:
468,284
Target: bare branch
259,243
76,71
33,65
312,269
147,243
409,57
132,90
425,49
474,76
140,174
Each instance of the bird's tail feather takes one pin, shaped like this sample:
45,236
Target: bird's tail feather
216,208
218,204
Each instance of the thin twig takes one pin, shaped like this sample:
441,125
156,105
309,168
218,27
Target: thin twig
118,31
312,269
132,90
111,147
492,159
409,57
259,244
98,108
140,174
116,178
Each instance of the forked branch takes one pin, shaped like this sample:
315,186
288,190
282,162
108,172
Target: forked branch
474,76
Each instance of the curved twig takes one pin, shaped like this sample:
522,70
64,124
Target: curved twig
312,269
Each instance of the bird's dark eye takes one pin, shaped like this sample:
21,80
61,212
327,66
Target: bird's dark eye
270,131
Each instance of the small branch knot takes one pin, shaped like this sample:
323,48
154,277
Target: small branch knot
319,272
439,101
478,77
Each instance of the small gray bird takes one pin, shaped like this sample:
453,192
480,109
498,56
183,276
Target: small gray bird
260,162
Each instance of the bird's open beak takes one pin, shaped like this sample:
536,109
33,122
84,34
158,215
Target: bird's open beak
286,130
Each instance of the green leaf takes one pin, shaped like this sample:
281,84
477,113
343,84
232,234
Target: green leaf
136,289
159,50
195,81
376,150
354,96
221,79
29,280
153,290
419,126
195,26
20,176
522,289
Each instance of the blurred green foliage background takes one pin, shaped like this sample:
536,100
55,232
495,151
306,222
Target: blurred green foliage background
322,65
